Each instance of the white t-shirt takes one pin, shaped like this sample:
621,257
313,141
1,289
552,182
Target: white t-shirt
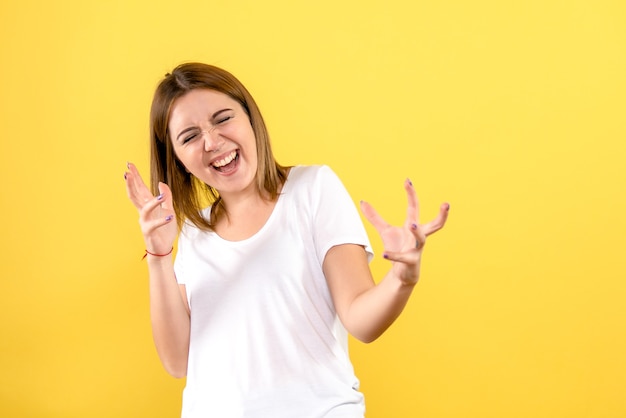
266,341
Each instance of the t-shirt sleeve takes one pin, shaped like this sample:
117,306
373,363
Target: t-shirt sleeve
183,248
336,219
190,239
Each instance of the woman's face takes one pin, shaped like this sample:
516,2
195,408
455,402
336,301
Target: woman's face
213,138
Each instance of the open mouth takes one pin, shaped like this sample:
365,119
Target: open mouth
227,163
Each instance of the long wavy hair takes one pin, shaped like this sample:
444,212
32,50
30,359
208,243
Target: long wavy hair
190,195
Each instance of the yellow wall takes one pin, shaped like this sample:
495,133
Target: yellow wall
512,111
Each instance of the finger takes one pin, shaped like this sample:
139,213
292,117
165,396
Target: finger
373,217
412,211
140,185
149,226
152,209
437,223
137,190
131,190
166,192
401,257
131,187
418,234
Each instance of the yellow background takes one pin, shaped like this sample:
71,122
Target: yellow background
512,111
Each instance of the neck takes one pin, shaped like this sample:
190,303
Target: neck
244,201
245,215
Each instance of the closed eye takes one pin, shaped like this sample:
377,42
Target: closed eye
224,119
222,116
189,137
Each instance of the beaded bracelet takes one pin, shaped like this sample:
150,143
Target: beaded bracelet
157,255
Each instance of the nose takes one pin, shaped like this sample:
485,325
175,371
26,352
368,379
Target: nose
212,140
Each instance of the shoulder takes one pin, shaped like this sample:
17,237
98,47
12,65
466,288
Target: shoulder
312,174
189,230
318,185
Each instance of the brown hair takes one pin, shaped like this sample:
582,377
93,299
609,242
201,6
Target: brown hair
190,194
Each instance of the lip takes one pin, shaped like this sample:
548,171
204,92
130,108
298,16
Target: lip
222,156
233,167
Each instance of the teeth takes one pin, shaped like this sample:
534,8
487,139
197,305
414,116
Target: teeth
223,162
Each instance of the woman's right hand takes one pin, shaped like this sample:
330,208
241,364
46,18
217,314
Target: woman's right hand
156,213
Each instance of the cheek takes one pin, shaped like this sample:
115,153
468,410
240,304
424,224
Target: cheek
184,161
181,162
233,132
240,132
187,153
250,139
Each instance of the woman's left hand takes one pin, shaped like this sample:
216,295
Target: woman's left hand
404,245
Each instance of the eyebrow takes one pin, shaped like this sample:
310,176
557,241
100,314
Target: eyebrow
191,128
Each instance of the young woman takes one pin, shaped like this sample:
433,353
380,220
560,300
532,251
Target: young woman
271,271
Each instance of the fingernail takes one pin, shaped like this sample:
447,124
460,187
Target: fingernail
124,176
447,206
414,226
160,197
127,164
385,256
169,218
410,182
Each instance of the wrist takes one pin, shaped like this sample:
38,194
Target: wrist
399,284
156,254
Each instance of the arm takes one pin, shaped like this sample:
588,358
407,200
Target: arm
169,310
169,315
367,309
